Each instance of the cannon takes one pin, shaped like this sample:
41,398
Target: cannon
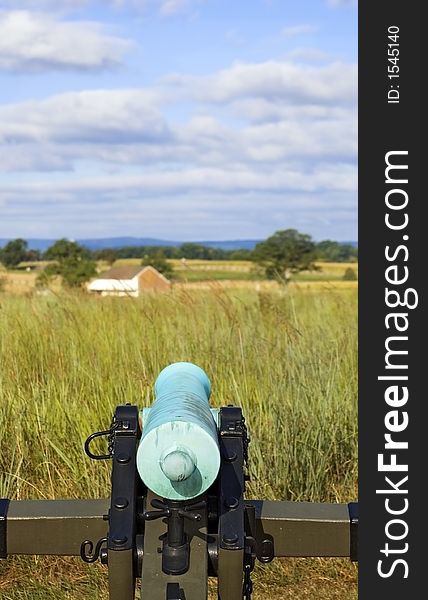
177,512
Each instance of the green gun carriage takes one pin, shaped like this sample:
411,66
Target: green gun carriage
177,513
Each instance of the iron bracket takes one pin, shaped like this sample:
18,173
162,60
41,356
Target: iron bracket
353,521
4,507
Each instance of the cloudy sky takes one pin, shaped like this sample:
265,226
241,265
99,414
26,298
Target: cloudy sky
178,119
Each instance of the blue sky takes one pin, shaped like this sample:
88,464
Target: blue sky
178,119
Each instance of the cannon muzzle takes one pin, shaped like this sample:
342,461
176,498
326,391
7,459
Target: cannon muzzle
178,457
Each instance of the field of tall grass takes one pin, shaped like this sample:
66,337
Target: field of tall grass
289,359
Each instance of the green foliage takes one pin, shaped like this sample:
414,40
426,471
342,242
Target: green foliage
72,264
241,254
350,275
188,250
284,253
109,255
49,273
158,261
335,252
13,253
74,272
65,249
141,251
77,272
33,255
193,251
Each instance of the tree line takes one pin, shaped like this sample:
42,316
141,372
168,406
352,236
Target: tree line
17,251
281,255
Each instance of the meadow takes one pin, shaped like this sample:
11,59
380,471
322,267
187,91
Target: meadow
228,272
287,357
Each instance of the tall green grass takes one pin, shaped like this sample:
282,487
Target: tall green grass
288,359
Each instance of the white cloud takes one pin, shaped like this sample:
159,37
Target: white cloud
126,129
23,157
172,7
296,30
102,116
35,42
339,3
305,54
112,209
39,5
209,180
270,144
165,7
297,139
284,81
198,203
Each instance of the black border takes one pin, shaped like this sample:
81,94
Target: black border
384,127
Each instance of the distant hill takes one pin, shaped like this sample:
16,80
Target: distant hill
32,244
120,242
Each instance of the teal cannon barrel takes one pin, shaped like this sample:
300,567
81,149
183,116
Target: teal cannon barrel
178,457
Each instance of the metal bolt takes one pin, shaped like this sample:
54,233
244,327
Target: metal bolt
230,538
231,457
121,503
123,458
231,502
120,540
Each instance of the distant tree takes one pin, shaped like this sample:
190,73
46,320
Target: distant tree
159,262
242,254
336,252
71,261
109,255
350,275
193,251
284,253
140,251
64,249
13,253
45,278
188,250
77,272
33,255
74,272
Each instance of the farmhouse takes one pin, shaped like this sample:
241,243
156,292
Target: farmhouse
129,281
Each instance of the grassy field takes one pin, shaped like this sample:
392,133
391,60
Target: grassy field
288,358
192,272
245,270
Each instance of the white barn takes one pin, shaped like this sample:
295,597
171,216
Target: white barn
129,281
